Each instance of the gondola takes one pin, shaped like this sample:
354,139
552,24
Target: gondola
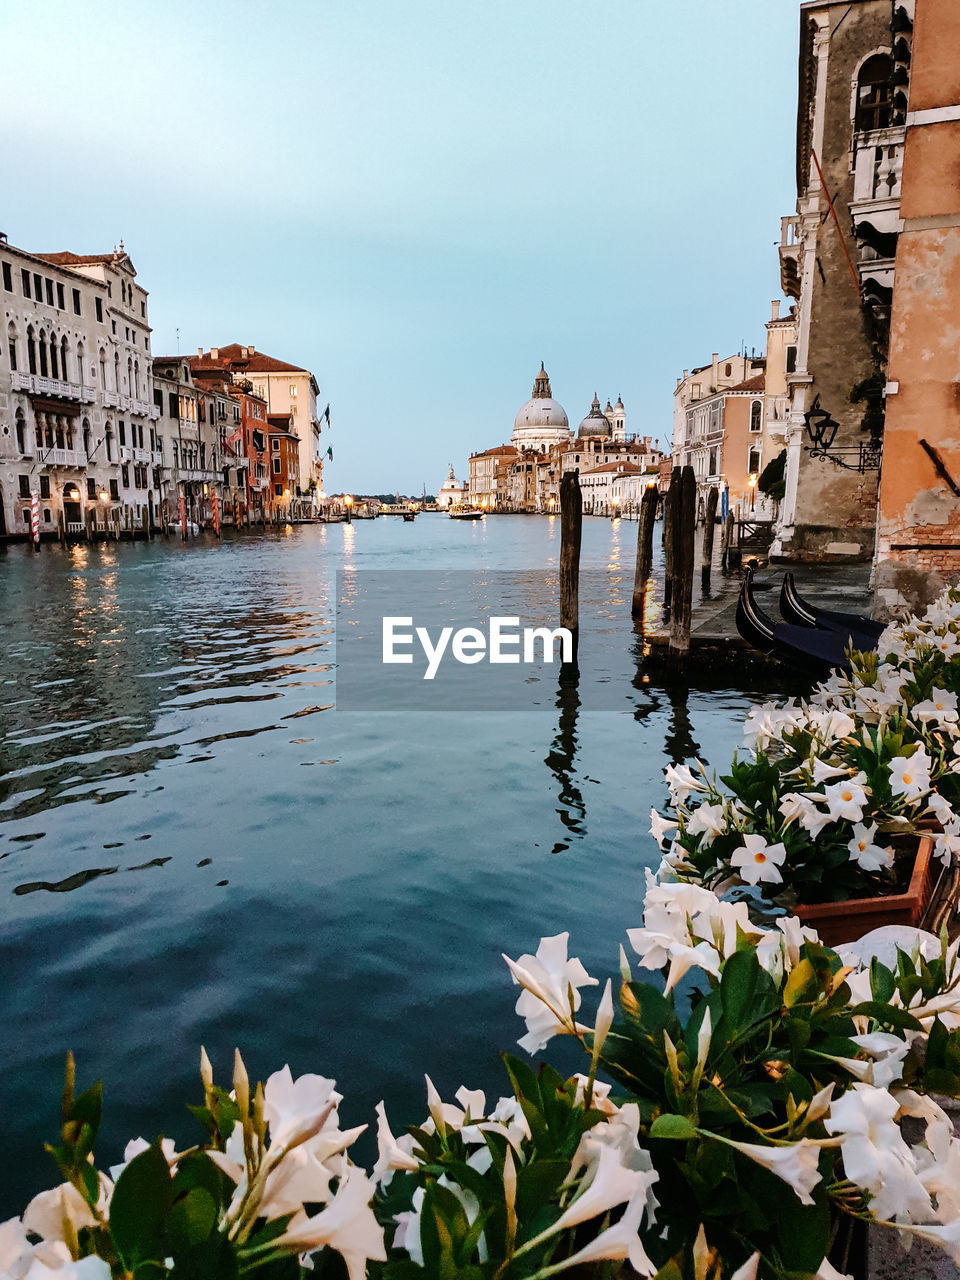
807,647
864,632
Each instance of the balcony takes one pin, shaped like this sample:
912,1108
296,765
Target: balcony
186,475
35,384
791,250
877,168
64,458
111,400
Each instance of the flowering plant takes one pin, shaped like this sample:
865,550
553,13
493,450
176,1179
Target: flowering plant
733,1135
829,786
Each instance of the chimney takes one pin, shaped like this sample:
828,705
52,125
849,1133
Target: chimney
200,352
252,349
244,352
715,369
214,353
775,309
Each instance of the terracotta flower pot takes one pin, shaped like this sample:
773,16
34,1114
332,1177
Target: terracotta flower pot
838,922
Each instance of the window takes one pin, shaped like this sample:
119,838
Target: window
173,405
125,475
60,302
293,390
727,370
76,302
37,288
756,415
143,310
91,488
114,490
791,359
21,434
874,94
25,282
113,326
47,519
12,349
24,482
753,461
98,304
275,445
44,486
7,278
123,432
158,399
276,466
49,284
278,490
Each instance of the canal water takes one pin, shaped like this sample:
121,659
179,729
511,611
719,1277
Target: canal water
196,846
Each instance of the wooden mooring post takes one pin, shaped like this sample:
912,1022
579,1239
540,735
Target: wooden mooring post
571,527
146,523
710,520
670,504
727,543
88,521
648,515
684,537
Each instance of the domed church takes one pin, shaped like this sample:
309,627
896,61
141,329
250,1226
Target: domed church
542,421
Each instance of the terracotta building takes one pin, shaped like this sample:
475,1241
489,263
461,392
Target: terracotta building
918,532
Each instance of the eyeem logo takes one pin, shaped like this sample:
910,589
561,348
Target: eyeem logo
469,645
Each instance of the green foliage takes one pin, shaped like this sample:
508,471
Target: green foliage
772,479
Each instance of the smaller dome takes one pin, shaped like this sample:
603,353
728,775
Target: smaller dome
596,423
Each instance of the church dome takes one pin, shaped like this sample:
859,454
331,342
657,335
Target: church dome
596,423
542,420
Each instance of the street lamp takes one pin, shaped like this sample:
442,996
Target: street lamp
615,503
348,503
752,482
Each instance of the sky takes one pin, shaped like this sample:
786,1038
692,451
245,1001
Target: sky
421,201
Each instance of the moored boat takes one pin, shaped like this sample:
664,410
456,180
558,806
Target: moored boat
465,513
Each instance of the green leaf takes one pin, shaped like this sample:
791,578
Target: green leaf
802,985
672,1126
747,992
882,982
191,1220
140,1203
889,1015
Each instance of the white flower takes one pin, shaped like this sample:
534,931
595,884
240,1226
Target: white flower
551,985
910,775
394,1153
847,799
621,1241
770,722
407,1235
347,1224
795,1164
604,1019
830,726
710,820
660,826
827,1271
682,780
822,772
136,1147
749,1269
800,808
600,1096
606,1183
941,707
874,1154
59,1214
296,1108
947,1237
867,855
758,861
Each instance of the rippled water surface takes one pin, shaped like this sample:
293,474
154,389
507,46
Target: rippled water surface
195,846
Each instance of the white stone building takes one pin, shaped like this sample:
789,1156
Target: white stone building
77,419
452,491
542,421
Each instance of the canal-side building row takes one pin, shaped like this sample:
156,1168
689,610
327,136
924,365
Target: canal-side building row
525,475
106,435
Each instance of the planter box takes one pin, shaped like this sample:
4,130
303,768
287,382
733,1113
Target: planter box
838,922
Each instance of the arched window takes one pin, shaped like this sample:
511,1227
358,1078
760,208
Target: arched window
108,442
31,350
21,428
86,436
12,347
80,363
129,376
44,370
54,360
63,359
136,378
60,434
874,94
116,370
103,369
756,415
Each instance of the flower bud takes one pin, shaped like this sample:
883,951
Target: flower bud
241,1084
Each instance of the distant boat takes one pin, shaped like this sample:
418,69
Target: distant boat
409,517
466,513
395,509
333,517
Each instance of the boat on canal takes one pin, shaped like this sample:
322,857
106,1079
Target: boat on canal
465,513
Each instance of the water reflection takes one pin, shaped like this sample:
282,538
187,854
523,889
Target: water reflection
572,810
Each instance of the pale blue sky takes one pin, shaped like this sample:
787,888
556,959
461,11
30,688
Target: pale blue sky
419,201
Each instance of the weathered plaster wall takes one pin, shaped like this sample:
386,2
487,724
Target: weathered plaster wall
837,508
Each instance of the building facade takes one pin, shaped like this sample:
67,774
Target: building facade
77,420
837,257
